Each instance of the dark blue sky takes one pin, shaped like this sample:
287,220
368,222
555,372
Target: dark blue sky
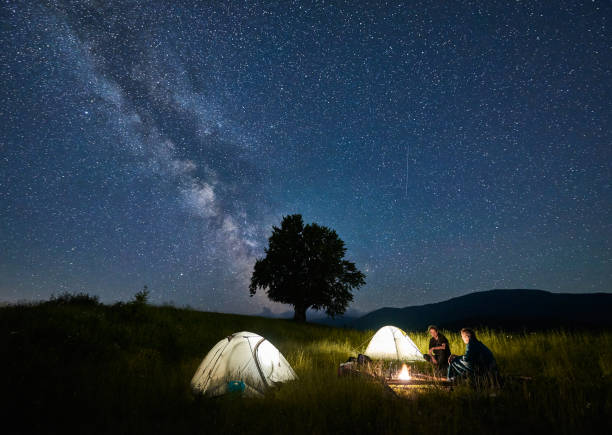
454,146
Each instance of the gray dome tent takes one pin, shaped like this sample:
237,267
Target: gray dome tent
243,357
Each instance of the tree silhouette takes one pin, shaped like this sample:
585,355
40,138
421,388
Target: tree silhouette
304,266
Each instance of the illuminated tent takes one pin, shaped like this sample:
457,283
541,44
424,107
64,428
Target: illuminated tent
390,342
244,362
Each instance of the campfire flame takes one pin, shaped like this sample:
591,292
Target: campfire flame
404,374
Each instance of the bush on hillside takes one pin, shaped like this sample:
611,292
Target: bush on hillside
74,299
141,297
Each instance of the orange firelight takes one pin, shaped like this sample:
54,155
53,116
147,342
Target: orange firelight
404,374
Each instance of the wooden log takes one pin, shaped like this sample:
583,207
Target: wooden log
431,382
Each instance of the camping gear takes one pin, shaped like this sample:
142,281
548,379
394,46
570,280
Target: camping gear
245,361
362,365
391,343
235,386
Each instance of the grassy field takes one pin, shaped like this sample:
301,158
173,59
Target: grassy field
90,368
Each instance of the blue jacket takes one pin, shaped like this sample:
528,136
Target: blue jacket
478,357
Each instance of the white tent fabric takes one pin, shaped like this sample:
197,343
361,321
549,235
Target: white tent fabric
243,356
390,342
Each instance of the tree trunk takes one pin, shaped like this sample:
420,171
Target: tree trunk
299,313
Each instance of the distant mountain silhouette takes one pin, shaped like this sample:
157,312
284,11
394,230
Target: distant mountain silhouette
505,309
336,322
313,316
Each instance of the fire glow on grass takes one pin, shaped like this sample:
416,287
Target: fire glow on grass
404,374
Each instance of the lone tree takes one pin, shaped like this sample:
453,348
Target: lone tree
304,266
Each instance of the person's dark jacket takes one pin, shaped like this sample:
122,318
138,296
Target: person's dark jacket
478,358
440,354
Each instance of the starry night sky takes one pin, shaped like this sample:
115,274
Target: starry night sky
454,146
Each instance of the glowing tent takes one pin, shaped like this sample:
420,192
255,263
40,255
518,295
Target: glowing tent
390,342
244,362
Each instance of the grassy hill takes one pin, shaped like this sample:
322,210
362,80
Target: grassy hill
81,367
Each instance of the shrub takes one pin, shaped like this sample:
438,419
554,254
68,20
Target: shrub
141,297
74,299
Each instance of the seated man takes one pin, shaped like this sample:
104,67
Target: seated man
439,350
477,363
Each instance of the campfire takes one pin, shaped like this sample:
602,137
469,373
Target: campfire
404,374
408,380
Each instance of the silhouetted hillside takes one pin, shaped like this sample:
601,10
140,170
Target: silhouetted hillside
507,309
336,322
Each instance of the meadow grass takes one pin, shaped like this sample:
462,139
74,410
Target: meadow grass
90,368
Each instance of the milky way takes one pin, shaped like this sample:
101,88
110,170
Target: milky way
454,147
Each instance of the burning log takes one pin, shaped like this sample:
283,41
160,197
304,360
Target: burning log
415,382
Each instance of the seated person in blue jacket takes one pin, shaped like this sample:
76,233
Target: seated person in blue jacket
439,350
478,360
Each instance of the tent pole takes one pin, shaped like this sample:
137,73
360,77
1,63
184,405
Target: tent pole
263,378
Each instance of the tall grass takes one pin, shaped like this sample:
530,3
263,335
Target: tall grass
89,368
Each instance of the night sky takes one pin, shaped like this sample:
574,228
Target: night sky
454,146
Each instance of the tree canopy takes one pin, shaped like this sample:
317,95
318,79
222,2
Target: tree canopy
304,266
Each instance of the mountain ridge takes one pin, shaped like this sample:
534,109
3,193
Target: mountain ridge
498,308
